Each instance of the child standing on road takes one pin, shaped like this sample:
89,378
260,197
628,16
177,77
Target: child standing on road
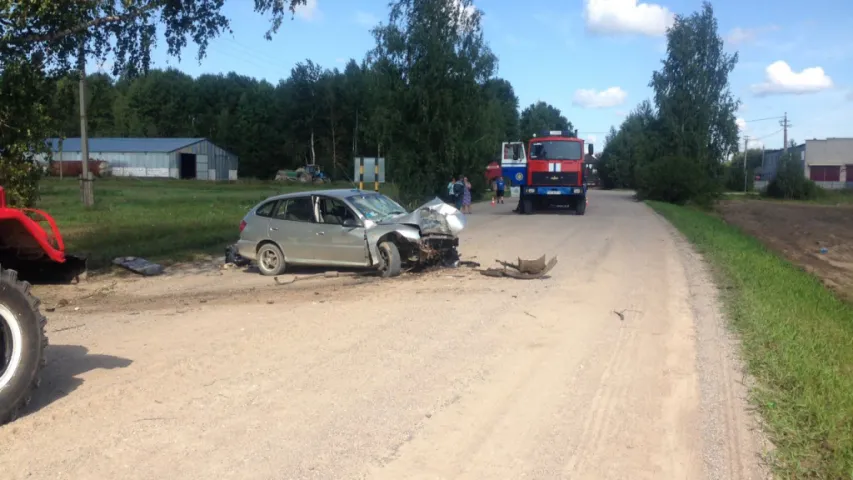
499,190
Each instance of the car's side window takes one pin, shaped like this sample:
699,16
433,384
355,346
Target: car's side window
298,209
334,211
266,209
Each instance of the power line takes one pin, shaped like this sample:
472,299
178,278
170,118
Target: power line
764,119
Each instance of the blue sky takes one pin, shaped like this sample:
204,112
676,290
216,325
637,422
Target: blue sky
603,52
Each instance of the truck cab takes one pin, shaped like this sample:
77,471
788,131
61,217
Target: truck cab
555,172
514,163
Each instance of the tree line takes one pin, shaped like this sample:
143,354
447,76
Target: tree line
674,148
426,96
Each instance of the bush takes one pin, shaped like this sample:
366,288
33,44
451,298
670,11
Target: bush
790,183
678,180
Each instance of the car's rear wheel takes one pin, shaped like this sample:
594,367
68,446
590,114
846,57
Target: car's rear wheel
271,260
390,262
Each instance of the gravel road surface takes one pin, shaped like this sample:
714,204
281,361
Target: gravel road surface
211,373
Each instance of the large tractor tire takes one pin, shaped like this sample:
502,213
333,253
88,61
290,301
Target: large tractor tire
22,344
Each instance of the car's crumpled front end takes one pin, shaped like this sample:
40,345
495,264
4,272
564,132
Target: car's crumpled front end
429,235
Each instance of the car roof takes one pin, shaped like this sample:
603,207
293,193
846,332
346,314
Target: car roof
334,193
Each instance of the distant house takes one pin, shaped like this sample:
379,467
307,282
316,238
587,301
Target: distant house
185,158
830,162
827,162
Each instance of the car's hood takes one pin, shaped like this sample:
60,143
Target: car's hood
433,217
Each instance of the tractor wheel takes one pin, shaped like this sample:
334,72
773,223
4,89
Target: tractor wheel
22,344
304,178
390,261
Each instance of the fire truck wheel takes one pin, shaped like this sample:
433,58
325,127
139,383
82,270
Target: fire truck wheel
22,344
527,206
580,206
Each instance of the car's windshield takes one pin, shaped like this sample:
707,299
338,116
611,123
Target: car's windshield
375,206
556,150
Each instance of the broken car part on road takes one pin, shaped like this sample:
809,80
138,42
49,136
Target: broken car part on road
523,270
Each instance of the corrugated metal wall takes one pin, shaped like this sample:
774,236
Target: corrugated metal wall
771,161
212,162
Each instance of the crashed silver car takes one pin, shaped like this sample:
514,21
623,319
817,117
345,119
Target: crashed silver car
348,228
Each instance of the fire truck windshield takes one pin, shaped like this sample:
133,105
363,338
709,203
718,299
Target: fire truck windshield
556,150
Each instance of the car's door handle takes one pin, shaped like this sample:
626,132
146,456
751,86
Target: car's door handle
321,233
273,228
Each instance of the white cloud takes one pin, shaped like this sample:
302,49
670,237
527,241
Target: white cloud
780,79
741,124
366,19
591,139
309,11
588,98
627,17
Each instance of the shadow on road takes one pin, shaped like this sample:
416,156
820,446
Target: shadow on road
60,376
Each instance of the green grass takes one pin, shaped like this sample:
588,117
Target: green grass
162,220
797,342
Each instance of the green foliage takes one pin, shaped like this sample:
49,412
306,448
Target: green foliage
790,182
541,116
431,122
42,41
734,175
673,151
437,115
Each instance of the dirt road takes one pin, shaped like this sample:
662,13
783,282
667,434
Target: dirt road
450,374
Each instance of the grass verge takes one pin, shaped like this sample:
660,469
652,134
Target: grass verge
162,220
797,342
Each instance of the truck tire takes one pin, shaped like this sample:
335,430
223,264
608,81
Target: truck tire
580,207
390,262
527,206
271,260
22,344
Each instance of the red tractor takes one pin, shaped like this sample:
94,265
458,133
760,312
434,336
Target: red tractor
28,253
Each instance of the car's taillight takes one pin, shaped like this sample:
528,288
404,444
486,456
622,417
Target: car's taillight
242,225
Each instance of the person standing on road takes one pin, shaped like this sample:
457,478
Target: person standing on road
450,192
499,189
458,193
466,196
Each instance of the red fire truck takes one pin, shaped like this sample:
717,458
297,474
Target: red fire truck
555,173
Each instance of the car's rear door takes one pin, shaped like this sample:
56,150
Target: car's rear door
294,227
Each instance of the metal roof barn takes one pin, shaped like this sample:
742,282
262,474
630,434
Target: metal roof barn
186,158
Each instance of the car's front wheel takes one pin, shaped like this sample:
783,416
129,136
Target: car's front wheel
390,262
271,260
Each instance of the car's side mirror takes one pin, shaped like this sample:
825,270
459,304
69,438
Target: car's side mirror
590,149
516,154
350,223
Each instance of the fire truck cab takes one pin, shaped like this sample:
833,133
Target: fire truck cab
554,173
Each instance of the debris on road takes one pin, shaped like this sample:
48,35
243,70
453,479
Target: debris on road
523,270
329,274
234,258
139,265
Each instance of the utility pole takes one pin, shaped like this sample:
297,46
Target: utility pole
745,150
785,126
88,196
